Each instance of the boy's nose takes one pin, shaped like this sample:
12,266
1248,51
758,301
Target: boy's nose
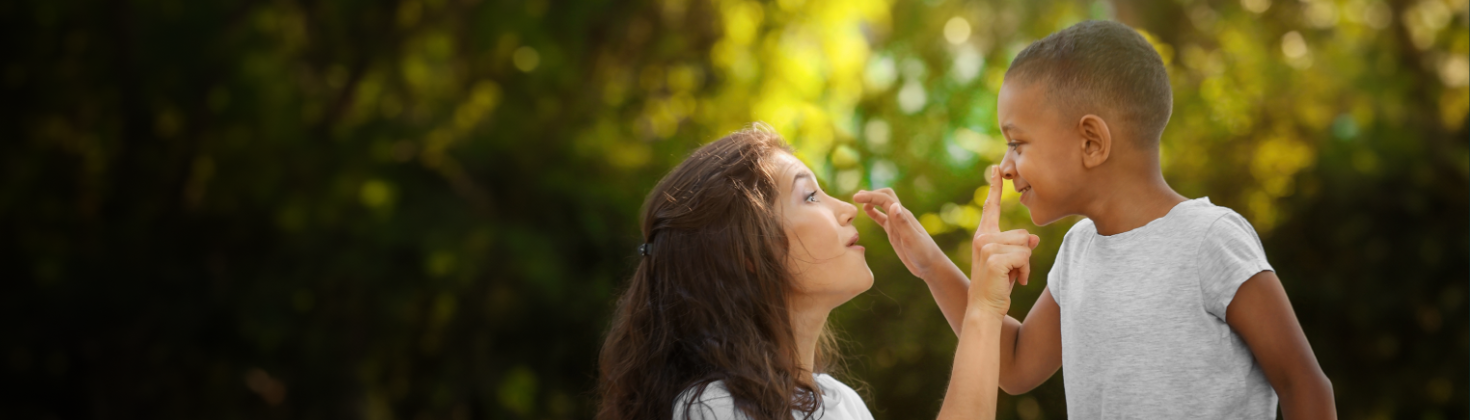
1007,167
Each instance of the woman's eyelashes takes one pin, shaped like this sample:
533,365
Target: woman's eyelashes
811,197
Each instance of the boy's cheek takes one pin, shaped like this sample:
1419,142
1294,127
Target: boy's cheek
1037,213
1033,210
1036,208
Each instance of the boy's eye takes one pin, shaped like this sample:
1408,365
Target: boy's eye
1014,146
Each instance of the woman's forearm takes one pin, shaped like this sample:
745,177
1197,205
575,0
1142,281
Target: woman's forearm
973,384
951,291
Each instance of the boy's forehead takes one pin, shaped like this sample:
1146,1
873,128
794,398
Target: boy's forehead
1019,103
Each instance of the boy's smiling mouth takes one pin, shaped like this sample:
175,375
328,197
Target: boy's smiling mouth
1022,188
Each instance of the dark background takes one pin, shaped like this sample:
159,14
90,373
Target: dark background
424,209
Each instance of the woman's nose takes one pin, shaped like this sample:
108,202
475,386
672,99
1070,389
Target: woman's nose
846,212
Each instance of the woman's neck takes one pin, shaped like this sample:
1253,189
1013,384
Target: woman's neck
807,321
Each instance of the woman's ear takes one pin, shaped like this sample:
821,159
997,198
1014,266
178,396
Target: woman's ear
1097,140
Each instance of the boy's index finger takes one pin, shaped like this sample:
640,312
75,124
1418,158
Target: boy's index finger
990,213
875,198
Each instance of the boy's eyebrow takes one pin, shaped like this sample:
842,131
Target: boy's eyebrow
1010,127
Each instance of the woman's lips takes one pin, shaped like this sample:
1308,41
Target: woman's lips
852,243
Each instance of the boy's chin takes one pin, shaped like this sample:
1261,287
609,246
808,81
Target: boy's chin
1042,218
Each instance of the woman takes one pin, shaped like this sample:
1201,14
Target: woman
744,256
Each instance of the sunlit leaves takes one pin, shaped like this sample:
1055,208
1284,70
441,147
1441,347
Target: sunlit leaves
391,204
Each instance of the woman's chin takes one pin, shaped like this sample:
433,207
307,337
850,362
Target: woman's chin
865,278
863,281
860,280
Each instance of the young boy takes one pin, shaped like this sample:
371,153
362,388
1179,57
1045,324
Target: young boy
1159,306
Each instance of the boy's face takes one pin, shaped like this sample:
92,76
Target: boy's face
1044,157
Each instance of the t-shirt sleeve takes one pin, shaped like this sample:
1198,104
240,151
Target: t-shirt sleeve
1054,280
1228,256
1056,277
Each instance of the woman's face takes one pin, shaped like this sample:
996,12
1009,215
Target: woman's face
829,266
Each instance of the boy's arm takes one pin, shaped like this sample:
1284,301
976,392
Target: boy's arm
1262,315
1031,351
1036,346
918,252
950,286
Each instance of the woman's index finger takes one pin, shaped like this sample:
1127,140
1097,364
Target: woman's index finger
990,213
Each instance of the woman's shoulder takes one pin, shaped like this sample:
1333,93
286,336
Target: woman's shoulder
713,402
839,402
831,387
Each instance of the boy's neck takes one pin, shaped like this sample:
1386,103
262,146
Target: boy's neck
1129,201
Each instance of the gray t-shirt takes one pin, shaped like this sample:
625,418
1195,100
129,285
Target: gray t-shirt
1143,318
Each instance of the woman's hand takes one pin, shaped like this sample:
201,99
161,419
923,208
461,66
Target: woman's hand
913,245
999,259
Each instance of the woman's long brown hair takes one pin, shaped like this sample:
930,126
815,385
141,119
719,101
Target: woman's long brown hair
708,301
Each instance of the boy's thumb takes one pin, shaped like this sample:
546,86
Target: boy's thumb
1035,240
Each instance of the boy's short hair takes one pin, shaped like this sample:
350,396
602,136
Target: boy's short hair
1101,64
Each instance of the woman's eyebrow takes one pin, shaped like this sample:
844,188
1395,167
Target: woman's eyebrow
798,178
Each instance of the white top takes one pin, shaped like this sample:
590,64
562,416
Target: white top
1143,318
839,402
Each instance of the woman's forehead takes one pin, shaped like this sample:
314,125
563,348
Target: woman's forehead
787,168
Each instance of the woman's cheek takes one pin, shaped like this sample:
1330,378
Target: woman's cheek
814,230
803,246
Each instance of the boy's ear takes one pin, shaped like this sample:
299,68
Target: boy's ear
1097,140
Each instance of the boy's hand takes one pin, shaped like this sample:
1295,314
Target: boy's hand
999,259
913,245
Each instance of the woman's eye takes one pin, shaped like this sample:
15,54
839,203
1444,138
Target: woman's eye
811,197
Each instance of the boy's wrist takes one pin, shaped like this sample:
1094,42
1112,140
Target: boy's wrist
942,270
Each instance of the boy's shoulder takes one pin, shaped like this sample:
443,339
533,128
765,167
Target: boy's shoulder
1189,219
1200,209
1199,217
1073,240
1083,227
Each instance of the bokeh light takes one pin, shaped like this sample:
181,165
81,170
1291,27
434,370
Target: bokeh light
425,208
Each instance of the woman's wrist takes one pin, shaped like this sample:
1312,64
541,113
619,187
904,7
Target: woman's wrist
977,312
986,300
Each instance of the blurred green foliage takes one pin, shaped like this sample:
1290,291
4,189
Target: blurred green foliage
424,208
